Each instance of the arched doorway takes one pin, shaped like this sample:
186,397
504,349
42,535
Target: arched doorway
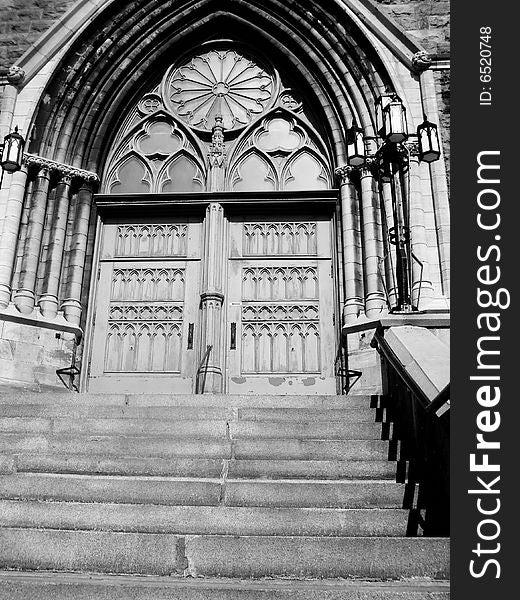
216,270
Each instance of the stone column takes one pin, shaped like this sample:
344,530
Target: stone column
372,244
71,304
419,242
421,63
48,301
212,297
387,223
25,297
9,235
352,249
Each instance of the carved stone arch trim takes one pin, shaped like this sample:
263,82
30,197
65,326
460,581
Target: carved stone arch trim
112,178
286,174
131,143
234,174
259,126
163,175
330,48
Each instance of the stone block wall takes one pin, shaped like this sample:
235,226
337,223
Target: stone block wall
30,356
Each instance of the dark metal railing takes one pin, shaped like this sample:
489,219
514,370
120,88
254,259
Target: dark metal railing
200,377
72,371
346,377
418,430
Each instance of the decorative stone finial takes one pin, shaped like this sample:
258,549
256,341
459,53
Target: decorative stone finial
15,75
421,61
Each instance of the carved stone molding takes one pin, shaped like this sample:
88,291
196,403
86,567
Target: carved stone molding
421,61
344,173
31,160
413,148
16,76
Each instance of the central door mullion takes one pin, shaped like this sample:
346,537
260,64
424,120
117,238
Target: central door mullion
212,299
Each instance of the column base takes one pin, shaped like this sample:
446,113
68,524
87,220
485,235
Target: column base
71,310
5,295
24,300
210,382
48,306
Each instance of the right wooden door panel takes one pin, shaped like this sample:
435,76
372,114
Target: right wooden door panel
280,294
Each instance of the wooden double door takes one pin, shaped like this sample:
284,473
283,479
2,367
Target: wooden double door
272,320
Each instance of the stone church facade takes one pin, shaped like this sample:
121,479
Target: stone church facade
224,299
185,185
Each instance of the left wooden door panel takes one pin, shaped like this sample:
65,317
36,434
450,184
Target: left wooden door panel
147,299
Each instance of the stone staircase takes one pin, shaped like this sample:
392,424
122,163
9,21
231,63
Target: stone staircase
195,497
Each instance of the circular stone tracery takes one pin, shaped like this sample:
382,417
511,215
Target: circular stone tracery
219,82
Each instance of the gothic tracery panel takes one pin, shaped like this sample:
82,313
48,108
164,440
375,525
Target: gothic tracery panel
265,239
145,318
280,320
281,153
151,240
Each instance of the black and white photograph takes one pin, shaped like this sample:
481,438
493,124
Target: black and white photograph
225,308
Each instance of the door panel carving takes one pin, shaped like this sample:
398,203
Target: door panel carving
283,306
147,294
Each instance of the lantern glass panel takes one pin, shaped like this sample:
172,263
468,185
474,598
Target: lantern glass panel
395,123
12,152
356,150
429,146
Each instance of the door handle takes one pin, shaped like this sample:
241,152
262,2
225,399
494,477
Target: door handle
190,336
233,345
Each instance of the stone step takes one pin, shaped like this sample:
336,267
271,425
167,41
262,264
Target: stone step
203,520
62,586
240,557
348,414
196,492
197,467
192,429
163,446
378,558
187,400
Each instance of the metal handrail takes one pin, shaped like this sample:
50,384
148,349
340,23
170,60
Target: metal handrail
73,370
342,372
203,369
419,427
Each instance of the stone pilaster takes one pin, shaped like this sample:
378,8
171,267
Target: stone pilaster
25,296
9,235
372,244
352,248
387,223
419,243
48,301
71,304
212,297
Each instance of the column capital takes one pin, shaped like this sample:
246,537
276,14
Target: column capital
367,170
344,173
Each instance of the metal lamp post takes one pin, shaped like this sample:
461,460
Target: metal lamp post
391,164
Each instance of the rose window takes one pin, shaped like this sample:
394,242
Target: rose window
220,82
